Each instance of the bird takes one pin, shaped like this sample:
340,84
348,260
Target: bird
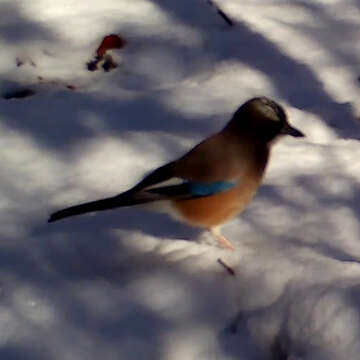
214,181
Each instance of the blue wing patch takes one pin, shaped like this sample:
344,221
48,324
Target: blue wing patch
192,189
206,189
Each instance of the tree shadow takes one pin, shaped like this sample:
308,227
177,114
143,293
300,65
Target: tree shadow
17,28
64,267
303,90
17,352
59,130
300,322
95,287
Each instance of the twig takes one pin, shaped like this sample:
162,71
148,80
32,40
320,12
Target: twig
221,12
18,94
227,267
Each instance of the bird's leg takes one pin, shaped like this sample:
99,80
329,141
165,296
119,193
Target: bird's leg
221,239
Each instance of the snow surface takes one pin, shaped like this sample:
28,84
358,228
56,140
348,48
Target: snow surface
128,284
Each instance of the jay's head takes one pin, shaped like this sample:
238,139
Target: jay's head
262,118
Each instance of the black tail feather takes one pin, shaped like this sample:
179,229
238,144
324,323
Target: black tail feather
93,206
127,198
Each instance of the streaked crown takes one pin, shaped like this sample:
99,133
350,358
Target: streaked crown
262,118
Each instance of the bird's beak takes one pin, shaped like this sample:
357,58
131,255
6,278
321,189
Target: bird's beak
289,130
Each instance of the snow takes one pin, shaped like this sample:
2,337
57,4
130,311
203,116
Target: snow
129,284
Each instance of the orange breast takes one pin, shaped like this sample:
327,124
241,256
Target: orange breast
216,209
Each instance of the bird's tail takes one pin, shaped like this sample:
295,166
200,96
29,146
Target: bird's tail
125,199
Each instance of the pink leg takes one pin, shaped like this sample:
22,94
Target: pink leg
221,239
